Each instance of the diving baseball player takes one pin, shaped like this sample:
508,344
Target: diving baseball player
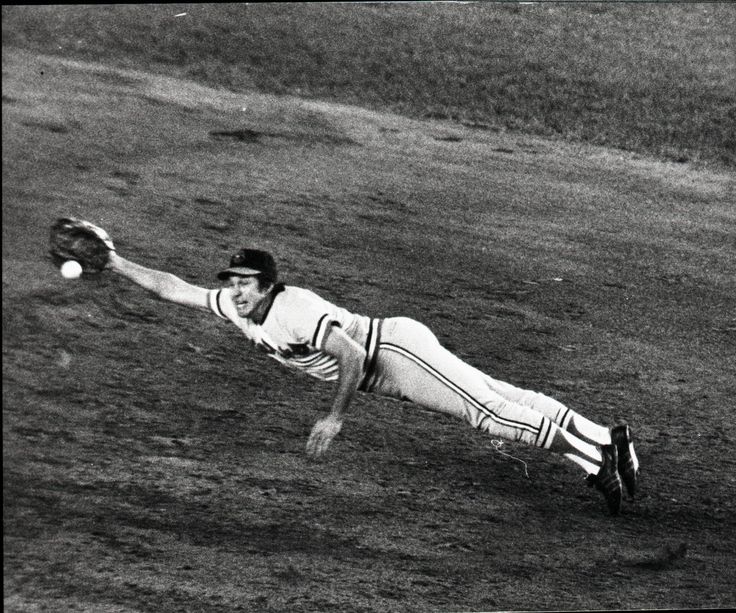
395,357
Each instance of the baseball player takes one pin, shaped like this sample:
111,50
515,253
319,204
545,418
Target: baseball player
395,357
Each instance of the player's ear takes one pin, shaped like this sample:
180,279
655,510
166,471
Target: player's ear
265,285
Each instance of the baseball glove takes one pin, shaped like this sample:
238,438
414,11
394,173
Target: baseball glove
76,239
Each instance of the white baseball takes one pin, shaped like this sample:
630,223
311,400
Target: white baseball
71,269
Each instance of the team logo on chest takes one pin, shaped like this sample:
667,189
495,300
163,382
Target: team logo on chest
293,350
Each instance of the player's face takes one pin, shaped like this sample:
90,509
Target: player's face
245,294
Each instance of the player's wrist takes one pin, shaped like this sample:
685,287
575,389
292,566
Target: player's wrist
113,261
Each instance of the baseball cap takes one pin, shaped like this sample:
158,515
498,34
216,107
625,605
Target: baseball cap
248,263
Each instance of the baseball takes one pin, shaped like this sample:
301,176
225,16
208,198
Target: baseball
71,269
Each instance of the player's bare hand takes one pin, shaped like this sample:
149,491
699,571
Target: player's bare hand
322,434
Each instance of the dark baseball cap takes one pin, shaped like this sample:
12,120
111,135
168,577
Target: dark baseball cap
248,263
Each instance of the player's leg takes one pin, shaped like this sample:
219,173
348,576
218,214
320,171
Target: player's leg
414,366
563,416
580,427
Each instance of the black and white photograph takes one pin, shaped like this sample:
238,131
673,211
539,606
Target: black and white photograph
420,307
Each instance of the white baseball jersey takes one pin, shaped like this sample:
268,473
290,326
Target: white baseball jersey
294,328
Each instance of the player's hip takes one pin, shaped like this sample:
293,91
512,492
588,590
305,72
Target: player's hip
411,364
391,337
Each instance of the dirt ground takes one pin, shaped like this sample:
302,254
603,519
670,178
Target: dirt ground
153,462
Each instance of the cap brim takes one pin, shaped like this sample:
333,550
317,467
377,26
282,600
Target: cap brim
239,271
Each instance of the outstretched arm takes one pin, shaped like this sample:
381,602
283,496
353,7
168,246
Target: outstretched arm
350,357
165,285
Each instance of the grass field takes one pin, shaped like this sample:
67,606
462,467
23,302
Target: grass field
153,462
652,78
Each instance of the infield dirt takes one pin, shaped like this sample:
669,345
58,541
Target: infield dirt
152,461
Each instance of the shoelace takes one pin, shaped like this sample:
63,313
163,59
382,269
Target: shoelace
496,444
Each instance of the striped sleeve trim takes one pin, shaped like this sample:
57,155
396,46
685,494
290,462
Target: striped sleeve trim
213,300
322,327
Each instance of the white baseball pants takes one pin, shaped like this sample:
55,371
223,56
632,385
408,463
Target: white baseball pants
411,364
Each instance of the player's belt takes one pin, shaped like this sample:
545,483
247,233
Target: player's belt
371,352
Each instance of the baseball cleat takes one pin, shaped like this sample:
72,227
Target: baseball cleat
608,481
628,464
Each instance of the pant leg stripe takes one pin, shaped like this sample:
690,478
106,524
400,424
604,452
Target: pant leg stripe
440,377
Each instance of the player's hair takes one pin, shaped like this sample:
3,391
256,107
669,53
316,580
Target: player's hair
266,279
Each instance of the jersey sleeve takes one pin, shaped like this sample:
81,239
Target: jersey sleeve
305,318
219,303
323,325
